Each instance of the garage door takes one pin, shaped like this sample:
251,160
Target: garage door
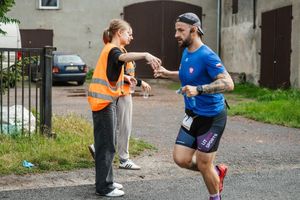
36,38
154,30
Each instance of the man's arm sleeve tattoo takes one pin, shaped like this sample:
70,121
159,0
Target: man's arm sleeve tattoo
222,83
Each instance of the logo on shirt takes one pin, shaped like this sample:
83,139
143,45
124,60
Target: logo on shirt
191,70
219,65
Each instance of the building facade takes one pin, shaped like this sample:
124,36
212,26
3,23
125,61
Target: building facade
256,38
261,39
77,26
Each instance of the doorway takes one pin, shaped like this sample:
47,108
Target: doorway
276,48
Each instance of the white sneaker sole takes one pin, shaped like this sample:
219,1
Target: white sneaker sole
115,193
129,168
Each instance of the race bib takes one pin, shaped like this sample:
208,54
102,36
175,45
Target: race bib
187,122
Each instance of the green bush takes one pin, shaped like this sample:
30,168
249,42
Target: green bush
11,75
89,74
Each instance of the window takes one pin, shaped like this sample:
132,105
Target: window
49,4
235,6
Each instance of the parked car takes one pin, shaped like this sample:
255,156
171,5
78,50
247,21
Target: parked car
9,57
11,39
65,67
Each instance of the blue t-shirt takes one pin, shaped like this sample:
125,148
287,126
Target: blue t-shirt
199,68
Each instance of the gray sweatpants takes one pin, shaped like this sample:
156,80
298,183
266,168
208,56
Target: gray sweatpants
104,141
124,125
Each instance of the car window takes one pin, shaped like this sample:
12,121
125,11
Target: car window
69,59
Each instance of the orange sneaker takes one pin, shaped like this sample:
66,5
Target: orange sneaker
222,173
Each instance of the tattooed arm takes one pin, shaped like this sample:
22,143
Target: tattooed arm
222,83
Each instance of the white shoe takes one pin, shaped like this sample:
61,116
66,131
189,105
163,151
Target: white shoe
115,193
118,186
129,164
92,150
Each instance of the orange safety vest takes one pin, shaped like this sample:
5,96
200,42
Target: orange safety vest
129,70
101,91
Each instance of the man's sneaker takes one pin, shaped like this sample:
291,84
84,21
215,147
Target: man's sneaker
115,193
128,164
222,173
92,150
118,186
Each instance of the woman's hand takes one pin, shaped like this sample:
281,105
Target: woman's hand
130,79
146,87
153,61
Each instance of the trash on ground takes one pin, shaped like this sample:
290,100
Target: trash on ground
27,164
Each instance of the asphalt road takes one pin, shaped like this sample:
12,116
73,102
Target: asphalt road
264,159
267,185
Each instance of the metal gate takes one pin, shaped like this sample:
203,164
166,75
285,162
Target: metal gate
276,48
153,25
23,99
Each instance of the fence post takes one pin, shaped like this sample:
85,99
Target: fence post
46,91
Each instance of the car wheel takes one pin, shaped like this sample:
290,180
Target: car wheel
80,82
33,77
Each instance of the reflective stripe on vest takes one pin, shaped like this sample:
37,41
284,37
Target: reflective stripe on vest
129,70
103,82
100,96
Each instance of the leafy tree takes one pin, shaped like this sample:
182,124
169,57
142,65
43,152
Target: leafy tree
5,6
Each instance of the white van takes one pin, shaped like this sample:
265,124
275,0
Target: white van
12,39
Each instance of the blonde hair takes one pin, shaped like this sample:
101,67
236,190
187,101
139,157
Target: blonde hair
114,26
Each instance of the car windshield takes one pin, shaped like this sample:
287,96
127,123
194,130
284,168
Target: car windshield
68,59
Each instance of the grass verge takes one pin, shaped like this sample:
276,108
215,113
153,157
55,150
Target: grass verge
67,151
272,106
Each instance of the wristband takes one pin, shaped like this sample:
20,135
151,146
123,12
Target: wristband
199,89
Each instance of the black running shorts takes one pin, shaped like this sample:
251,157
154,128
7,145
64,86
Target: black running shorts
204,133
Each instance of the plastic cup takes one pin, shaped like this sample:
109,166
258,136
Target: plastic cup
132,88
146,94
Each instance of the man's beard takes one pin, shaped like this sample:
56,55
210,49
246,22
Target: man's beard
186,43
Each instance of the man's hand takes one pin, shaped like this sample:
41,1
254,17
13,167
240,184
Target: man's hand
153,61
190,91
161,72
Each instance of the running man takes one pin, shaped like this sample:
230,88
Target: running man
203,78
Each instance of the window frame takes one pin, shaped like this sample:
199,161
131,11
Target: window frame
48,7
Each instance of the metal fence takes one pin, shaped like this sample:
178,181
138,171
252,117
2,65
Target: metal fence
25,90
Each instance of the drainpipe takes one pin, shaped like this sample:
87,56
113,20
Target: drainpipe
219,18
254,14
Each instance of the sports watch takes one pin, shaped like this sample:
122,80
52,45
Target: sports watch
199,89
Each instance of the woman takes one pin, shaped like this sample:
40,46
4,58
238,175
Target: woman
124,115
105,88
